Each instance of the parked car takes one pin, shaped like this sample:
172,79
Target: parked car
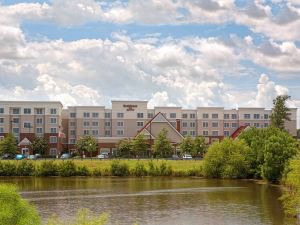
175,157
187,156
8,156
103,156
20,156
65,156
36,156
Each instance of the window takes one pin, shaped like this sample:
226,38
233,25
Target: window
15,120
1,120
53,120
27,111
256,125
184,133
266,124
15,111
72,132
226,133
15,130
1,129
107,132
150,115
140,124
192,124
39,111
234,125
53,111
120,124
53,139
205,124
215,133
172,115
95,124
205,116
107,115
266,116
140,115
72,115
184,124
53,151
234,116
86,115
95,115
86,123
120,132
39,130
86,132
1,110
215,124
193,116
72,124
246,116
72,141
226,116
215,116
95,132
226,124
107,123
39,120
193,133
27,125
53,130
256,116
205,133
120,115
184,116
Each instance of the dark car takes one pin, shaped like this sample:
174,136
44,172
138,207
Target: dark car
175,157
8,156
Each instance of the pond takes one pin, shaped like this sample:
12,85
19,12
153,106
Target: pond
156,200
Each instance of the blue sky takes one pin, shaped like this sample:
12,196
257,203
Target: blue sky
190,53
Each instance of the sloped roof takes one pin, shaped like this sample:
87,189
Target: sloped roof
24,142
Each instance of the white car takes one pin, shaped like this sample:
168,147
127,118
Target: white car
102,156
187,156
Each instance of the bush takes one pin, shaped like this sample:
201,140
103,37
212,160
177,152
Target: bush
97,172
227,159
153,169
25,168
8,169
67,169
164,169
47,168
82,171
14,209
139,170
119,169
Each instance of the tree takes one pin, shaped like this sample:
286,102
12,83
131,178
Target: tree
87,144
199,146
280,111
139,145
9,145
187,145
125,147
39,145
298,133
162,146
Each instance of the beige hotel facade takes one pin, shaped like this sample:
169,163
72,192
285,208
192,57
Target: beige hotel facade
62,127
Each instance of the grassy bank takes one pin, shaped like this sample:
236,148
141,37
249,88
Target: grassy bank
94,167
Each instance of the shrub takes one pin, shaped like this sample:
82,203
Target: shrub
153,169
14,209
164,169
67,169
47,168
119,169
97,172
82,171
8,169
139,170
25,168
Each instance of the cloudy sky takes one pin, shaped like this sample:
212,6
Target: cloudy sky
189,53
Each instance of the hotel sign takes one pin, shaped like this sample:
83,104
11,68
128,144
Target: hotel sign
130,107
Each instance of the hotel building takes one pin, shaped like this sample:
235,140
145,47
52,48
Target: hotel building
62,127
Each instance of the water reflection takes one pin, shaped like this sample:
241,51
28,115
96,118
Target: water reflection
156,200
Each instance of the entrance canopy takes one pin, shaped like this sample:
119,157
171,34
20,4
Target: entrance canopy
24,142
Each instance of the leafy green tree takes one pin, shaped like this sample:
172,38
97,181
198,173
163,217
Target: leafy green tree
199,146
280,111
14,209
39,145
139,145
187,145
9,145
87,144
125,147
227,159
162,146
